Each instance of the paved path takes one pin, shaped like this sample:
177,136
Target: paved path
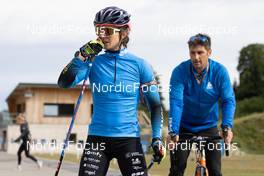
8,167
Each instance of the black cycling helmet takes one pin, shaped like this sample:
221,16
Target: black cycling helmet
112,16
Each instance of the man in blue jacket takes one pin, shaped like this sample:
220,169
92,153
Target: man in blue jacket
196,87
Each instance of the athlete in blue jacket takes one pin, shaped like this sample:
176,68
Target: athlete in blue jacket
116,79
196,87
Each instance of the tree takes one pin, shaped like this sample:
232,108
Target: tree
251,70
235,86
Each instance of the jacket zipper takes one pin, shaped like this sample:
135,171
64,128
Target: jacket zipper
115,73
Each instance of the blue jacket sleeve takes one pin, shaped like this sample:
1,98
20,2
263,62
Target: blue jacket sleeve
146,73
228,100
74,73
176,101
152,98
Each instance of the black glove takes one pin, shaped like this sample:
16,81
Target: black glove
91,49
158,149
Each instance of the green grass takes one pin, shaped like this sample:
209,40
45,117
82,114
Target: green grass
249,133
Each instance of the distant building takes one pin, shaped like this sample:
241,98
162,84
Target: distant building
48,110
5,120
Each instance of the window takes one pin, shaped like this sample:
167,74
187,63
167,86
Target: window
53,142
34,141
20,108
43,141
58,110
66,109
51,110
80,144
73,138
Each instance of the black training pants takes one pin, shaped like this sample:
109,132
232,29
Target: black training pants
24,147
99,151
213,157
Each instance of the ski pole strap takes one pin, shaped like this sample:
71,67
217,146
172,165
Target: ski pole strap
150,164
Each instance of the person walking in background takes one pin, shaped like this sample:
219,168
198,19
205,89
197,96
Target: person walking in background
25,136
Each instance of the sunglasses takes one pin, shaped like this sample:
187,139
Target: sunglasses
106,31
202,39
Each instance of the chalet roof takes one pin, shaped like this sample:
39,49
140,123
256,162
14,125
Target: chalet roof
25,86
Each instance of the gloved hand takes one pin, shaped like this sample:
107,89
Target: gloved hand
172,137
91,49
158,149
227,135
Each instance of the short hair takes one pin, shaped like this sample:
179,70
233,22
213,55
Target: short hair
200,39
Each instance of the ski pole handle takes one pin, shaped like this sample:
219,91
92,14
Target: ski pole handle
225,133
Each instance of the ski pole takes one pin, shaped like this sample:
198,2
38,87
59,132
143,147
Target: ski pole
72,122
150,164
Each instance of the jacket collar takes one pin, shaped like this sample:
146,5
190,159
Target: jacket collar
120,52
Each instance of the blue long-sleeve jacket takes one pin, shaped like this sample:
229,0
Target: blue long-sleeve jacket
195,107
115,80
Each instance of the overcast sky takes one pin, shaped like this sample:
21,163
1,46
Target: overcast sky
39,37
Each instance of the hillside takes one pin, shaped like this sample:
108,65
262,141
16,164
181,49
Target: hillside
249,133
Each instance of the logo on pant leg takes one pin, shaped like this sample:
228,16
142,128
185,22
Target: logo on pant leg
92,166
137,167
137,173
133,154
93,153
93,160
135,161
89,172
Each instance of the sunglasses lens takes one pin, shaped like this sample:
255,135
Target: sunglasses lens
109,31
105,31
202,39
193,38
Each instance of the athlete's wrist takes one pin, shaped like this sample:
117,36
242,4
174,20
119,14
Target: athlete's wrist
226,128
173,134
155,139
